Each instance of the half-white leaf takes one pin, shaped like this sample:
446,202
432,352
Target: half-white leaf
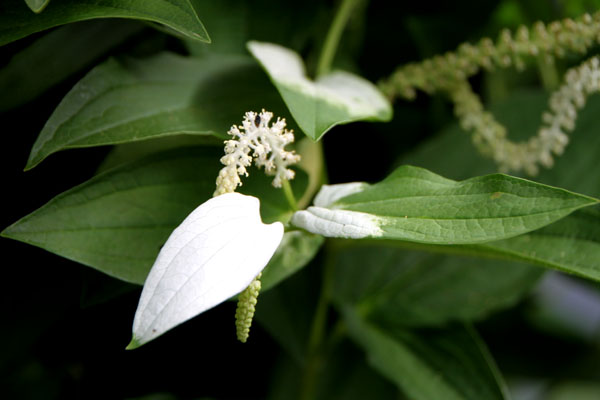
335,98
213,255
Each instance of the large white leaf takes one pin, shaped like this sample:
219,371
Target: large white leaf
213,255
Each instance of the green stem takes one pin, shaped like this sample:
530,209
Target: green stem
548,74
317,333
333,36
289,194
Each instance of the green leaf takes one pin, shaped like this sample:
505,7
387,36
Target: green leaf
343,375
449,364
570,245
37,6
295,251
408,288
16,20
117,221
131,100
416,205
28,74
317,106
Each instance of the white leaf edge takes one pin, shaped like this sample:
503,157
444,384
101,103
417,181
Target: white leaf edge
324,219
329,194
357,96
213,255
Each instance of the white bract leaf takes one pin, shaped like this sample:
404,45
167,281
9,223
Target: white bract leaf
213,255
334,98
329,194
338,223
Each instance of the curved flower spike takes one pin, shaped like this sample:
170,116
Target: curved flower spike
213,255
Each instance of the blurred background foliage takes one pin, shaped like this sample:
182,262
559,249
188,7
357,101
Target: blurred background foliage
65,326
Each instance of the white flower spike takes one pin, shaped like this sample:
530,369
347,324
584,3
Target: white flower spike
214,254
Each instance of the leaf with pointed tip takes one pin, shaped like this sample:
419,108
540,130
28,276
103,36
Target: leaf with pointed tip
16,20
428,364
167,94
416,205
117,221
570,245
317,106
37,6
214,254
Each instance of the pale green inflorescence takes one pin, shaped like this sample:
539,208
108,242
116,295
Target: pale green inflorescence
449,74
245,309
255,141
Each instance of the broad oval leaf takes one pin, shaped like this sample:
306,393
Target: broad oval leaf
430,364
132,100
214,254
16,20
416,205
317,106
37,6
117,221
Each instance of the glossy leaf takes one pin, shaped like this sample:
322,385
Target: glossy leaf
450,364
29,74
416,205
117,221
397,287
131,100
17,21
37,6
211,256
317,106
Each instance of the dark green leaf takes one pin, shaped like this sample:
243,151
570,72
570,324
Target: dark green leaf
117,221
49,60
16,20
131,100
449,364
343,375
416,205
408,288
295,251
570,245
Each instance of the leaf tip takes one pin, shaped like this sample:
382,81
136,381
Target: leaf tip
134,344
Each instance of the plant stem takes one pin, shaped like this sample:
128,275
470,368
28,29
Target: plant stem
333,36
548,74
289,194
317,334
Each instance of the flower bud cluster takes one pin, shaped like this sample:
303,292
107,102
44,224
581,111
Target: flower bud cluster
490,136
245,309
553,40
267,145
